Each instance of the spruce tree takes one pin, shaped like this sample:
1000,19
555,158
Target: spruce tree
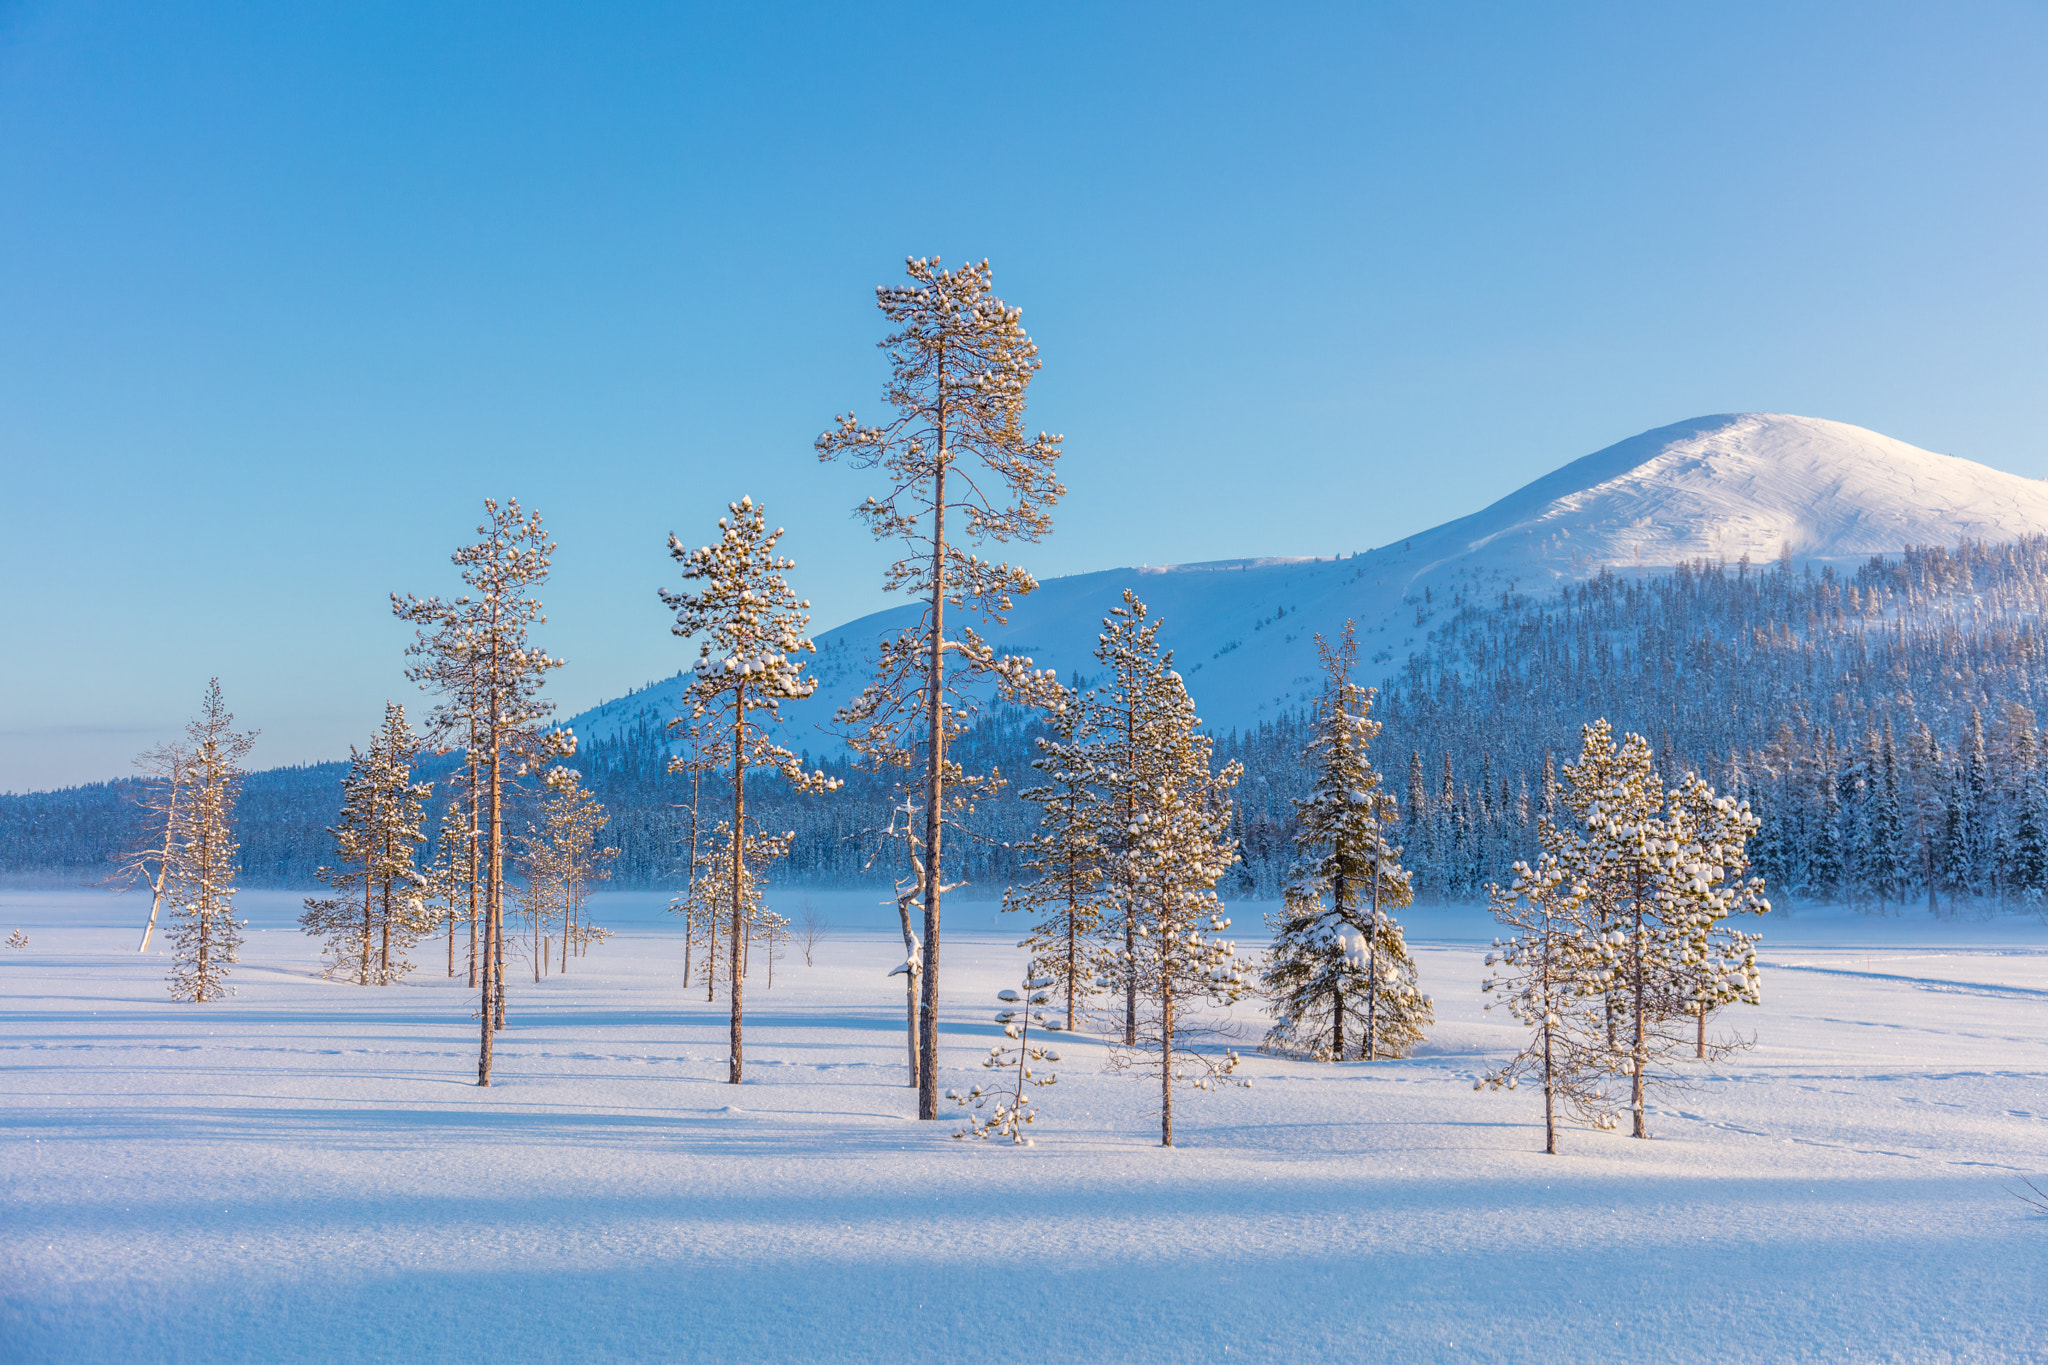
751,630
1338,955
960,471
475,651
206,938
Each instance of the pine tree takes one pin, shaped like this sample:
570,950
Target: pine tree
694,761
383,911
1175,848
475,652
737,912
1014,1106
1065,855
1134,724
1550,976
205,936
559,858
1661,880
960,363
1336,949
451,880
751,625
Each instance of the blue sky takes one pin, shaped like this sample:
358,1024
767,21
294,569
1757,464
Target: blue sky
285,291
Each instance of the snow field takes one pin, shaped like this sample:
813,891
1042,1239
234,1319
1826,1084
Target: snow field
306,1172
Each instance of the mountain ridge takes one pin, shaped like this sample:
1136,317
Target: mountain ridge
1718,487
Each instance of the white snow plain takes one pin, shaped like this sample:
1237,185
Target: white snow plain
307,1171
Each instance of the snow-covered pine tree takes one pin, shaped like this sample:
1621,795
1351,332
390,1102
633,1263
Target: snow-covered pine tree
166,771
1549,975
1717,962
1659,882
1175,849
1135,729
1338,954
384,911
206,938
1065,859
736,919
343,919
1014,1106
751,625
960,471
695,760
559,856
475,651
451,882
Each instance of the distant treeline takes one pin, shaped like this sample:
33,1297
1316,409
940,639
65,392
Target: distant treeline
1882,722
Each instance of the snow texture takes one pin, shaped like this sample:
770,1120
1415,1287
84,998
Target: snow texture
1755,484
305,1172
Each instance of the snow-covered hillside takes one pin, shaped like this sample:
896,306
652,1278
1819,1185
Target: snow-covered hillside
1755,484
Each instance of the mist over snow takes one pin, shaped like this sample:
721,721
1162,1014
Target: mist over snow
1761,485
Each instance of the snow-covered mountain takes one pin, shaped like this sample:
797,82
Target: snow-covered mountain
1722,487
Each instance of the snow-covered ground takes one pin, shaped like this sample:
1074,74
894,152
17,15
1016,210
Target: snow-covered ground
306,1172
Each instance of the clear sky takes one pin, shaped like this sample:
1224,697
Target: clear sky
286,290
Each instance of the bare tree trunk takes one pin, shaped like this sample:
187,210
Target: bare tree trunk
1073,946
1636,955
384,949
1166,1060
739,840
363,945
493,962
934,810
1372,956
476,854
1549,1093
1130,897
1703,1031
163,866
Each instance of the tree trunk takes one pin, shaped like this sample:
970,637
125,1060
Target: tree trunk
1549,1093
492,1007
384,950
369,920
1073,950
1372,956
476,854
1130,897
1165,1058
934,811
1703,1031
1636,953
163,866
739,840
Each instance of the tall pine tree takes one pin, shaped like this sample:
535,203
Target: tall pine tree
960,471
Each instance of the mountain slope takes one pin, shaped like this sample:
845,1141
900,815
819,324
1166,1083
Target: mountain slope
1721,487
